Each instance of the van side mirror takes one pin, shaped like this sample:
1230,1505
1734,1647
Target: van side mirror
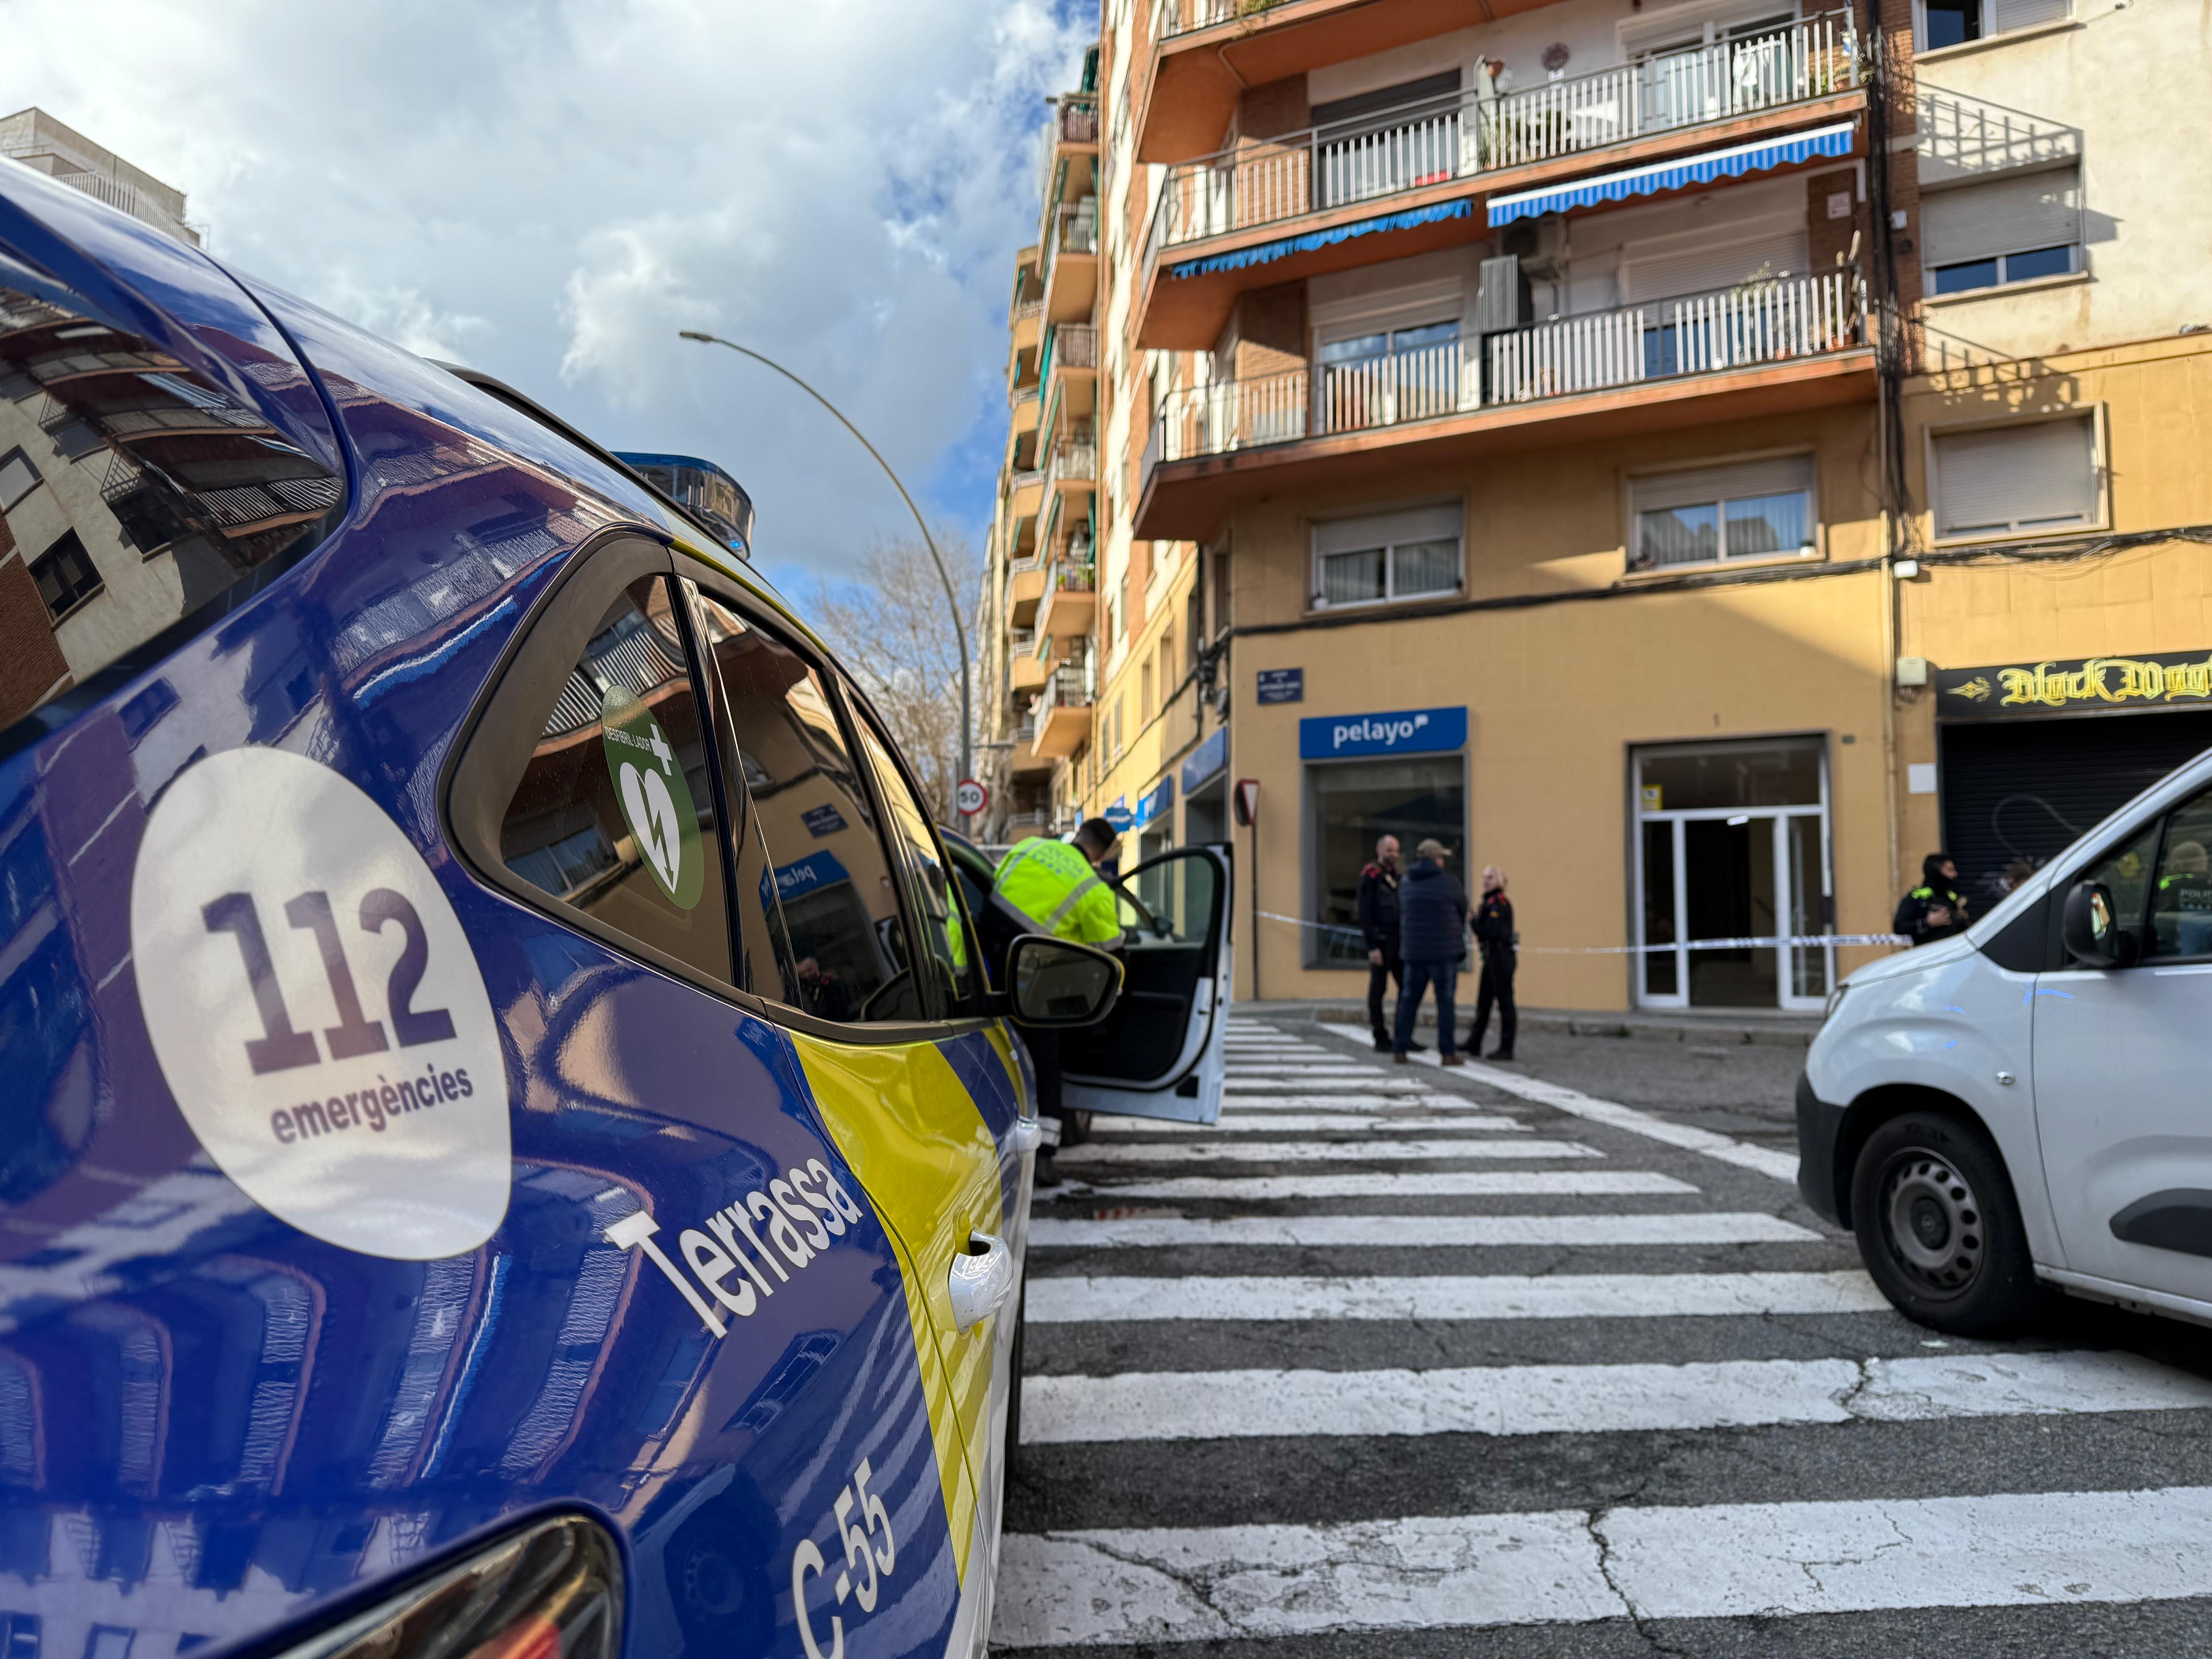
1055,983
2090,928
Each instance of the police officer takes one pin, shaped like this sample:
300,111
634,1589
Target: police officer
1378,928
1495,938
1935,910
1056,885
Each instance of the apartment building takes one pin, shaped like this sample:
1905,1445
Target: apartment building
1696,456
38,140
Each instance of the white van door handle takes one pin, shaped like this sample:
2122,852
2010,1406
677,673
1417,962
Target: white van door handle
981,1277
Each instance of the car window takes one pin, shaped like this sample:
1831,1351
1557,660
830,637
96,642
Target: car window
1169,902
944,926
831,878
2126,872
615,814
2181,894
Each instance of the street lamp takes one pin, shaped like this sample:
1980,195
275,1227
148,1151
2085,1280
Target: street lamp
959,636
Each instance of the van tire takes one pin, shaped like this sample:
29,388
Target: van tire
1939,1228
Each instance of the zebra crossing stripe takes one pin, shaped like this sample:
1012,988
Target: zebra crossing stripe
1315,1122
1061,1300
1706,1561
1422,1099
1311,1151
1594,1399
1364,1085
1766,1160
1421,1231
1457,1183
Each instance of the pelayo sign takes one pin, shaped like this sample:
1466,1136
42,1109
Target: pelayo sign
1399,731
2082,685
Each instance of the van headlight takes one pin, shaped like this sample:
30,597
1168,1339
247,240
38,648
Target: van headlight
1835,1000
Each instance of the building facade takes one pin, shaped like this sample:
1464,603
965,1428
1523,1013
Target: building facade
1698,456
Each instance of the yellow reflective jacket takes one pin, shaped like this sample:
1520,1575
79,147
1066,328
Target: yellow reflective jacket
1053,883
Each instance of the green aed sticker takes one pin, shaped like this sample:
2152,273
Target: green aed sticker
656,801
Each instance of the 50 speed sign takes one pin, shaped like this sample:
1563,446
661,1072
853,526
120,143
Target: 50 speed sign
970,797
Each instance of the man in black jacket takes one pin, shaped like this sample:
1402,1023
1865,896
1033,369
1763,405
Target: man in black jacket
1935,910
1378,929
1499,944
1433,941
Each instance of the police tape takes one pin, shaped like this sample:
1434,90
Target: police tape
1754,942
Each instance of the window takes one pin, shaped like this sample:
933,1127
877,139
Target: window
831,879
2181,891
614,812
945,932
1356,802
2016,480
1955,22
65,576
1397,374
18,478
1755,510
2002,230
2125,873
1389,556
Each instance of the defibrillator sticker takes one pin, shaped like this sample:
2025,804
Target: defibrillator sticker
656,801
317,1009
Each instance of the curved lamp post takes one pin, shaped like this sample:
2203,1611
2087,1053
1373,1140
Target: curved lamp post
959,635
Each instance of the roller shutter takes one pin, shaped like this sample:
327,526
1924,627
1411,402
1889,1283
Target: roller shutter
2004,215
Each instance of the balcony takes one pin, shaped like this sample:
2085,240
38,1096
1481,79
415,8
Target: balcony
1025,494
1025,404
1760,349
1070,602
1073,464
1071,366
1025,672
1077,122
1062,714
1205,52
1025,581
1427,155
1071,275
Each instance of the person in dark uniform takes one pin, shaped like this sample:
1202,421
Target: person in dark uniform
1378,928
1500,947
1935,910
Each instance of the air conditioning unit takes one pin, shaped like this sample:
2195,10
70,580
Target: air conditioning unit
1538,243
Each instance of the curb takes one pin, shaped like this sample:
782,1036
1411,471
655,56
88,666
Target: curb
1751,1029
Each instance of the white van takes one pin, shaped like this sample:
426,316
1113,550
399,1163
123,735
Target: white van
2031,1100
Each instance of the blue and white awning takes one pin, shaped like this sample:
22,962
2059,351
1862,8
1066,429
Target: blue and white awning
1267,252
1732,163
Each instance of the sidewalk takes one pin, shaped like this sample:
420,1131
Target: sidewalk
1703,1025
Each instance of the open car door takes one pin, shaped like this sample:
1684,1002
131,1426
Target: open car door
1159,1053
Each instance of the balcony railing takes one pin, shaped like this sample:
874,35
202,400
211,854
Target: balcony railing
1025,309
1065,688
1460,135
1078,461
1024,480
1021,642
1074,345
1079,119
1767,321
1173,17
1020,395
1075,229
1070,578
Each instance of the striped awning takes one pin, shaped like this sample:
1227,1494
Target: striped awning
1650,180
1267,252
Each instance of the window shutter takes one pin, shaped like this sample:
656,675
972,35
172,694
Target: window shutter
2037,476
2005,216
1420,523
1645,277
1778,477
1501,296
2025,14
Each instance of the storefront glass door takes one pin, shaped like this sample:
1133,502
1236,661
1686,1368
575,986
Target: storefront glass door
1353,803
1732,847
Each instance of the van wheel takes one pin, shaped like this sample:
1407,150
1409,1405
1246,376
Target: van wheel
1938,1226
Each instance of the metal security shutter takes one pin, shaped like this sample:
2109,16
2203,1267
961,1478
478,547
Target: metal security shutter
1778,477
1648,276
1419,523
2015,789
2039,476
2004,216
2025,14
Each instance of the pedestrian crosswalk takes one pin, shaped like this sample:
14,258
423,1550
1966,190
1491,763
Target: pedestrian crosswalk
1380,1354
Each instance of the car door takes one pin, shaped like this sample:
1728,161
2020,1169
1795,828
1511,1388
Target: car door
692,1249
2120,1062
921,1095
1159,1053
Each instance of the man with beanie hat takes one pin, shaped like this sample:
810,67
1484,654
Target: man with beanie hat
1431,941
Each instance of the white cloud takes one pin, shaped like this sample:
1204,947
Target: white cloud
549,189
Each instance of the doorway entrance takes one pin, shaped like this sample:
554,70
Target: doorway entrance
1732,846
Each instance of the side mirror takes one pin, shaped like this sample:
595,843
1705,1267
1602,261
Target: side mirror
2090,928
1054,982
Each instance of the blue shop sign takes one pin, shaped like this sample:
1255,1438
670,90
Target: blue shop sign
1161,798
1118,814
1397,731
808,875
1282,685
822,821
1207,759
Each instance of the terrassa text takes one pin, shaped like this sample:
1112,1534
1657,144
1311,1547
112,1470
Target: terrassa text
373,1107
788,1223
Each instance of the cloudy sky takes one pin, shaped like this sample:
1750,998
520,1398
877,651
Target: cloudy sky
550,189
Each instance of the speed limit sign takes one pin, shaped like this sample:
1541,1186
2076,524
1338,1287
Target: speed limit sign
970,797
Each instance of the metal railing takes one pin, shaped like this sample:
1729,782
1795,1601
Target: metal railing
1174,18
1020,395
1076,461
1076,226
1024,480
1025,309
1079,119
1430,140
1075,345
1768,320
1064,687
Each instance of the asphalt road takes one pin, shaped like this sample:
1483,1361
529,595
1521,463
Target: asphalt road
1528,1376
